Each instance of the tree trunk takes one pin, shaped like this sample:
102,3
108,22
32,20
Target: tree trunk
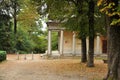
113,47
84,55
15,19
82,32
90,62
113,53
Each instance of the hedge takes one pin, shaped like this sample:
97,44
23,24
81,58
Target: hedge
2,55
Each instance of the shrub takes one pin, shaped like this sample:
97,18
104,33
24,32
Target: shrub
2,55
23,52
23,42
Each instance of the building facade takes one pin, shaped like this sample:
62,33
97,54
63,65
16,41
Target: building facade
69,44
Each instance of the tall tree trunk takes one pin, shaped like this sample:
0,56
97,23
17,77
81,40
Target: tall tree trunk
84,55
15,19
15,24
82,32
113,53
90,62
113,47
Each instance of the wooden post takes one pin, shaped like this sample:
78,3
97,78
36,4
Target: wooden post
25,57
32,55
17,55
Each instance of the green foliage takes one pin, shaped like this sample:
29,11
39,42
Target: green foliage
115,21
23,42
110,8
54,41
29,37
72,14
56,10
100,22
30,24
2,55
5,33
41,41
40,44
28,14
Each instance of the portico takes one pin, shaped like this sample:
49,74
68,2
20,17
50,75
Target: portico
68,43
53,26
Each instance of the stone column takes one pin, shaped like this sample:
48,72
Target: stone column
98,44
74,44
49,43
61,42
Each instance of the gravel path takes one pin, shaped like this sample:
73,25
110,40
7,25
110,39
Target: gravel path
43,69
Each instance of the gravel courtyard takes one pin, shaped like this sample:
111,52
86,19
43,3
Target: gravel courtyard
49,69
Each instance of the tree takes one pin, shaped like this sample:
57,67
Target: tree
22,8
5,26
15,16
65,12
77,21
14,4
74,13
79,7
26,23
23,42
82,27
28,14
90,62
111,8
5,33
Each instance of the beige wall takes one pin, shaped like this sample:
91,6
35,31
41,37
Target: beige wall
68,40
78,46
68,43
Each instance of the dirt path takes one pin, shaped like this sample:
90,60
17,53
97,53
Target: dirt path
53,69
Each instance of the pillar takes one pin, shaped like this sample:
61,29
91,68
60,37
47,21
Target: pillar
49,42
61,42
98,44
74,44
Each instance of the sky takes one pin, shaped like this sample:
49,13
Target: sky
44,26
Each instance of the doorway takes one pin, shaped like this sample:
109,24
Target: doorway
104,46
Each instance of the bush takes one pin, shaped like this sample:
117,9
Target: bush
23,42
2,55
23,52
